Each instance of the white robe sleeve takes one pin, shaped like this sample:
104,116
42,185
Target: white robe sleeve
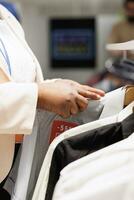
18,103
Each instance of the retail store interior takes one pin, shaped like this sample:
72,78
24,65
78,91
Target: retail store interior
37,16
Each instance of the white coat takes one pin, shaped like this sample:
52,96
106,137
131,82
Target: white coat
18,97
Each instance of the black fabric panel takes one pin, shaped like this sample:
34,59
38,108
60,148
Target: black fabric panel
4,195
128,126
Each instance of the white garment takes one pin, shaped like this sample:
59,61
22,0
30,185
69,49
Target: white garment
113,100
106,174
18,105
19,97
124,46
72,167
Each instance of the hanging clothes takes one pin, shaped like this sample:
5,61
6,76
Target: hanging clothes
113,100
46,119
81,145
105,174
112,158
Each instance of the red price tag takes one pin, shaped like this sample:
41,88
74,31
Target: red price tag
58,127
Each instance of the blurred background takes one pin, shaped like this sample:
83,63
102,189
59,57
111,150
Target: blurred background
69,36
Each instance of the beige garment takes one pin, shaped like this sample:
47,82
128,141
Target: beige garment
122,32
22,107
18,98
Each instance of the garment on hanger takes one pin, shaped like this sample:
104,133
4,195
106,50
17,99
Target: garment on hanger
93,112
124,115
105,174
114,101
83,144
98,165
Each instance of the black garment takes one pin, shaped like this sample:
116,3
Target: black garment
78,146
4,195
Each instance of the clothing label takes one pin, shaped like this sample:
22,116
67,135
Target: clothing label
58,127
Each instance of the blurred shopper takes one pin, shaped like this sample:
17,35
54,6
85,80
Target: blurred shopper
117,71
123,31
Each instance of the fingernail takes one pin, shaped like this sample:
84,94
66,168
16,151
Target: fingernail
98,96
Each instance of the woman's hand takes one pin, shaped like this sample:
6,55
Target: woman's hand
66,97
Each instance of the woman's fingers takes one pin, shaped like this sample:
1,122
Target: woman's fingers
94,90
89,95
82,102
69,108
64,111
85,87
70,98
77,104
74,108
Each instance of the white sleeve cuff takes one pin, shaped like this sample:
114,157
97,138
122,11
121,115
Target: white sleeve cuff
18,102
